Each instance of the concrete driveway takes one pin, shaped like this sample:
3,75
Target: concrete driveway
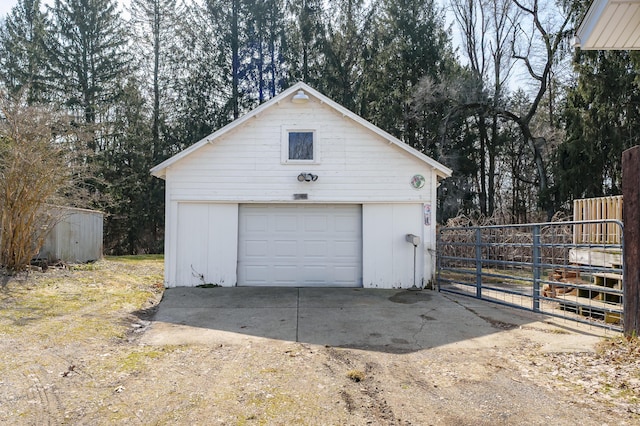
396,321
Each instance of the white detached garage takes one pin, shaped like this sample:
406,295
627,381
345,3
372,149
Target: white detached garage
300,192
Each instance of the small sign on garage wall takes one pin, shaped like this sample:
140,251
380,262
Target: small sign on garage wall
427,214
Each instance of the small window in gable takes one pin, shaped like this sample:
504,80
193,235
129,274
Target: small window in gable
301,146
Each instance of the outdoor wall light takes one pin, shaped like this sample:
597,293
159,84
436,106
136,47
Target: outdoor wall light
300,97
307,177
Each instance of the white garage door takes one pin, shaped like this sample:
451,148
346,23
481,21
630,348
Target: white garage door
300,245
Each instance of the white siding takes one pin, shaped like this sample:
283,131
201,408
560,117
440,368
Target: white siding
610,25
387,257
206,245
245,164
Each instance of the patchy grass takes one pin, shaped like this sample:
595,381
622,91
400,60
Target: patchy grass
137,360
69,305
137,259
356,375
67,335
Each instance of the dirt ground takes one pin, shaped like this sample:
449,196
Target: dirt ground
70,353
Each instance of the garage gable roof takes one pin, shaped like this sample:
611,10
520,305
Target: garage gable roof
441,170
610,25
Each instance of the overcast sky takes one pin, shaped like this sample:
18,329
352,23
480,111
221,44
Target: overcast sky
5,7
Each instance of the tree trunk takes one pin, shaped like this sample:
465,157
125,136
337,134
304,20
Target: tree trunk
155,126
482,195
234,58
492,151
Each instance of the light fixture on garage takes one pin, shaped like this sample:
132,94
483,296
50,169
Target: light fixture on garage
307,177
300,97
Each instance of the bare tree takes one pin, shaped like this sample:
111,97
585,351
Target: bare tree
551,38
487,29
538,32
34,171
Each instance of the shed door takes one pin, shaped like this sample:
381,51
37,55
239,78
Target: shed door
300,245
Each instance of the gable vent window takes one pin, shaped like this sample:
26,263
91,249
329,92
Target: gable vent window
300,145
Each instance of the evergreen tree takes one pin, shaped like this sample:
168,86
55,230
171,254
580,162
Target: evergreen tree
88,56
89,65
266,40
23,57
155,23
602,119
347,53
410,43
201,96
154,27
136,209
305,52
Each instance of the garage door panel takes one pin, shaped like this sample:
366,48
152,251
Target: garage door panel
302,245
314,274
343,274
256,248
285,249
315,250
256,274
256,223
343,223
346,249
284,274
286,223
315,223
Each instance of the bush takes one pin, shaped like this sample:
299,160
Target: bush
34,170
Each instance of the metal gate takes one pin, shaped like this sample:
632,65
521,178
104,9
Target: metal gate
571,270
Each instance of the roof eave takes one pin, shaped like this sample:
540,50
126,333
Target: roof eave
585,30
440,169
160,170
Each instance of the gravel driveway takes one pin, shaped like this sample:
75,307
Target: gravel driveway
93,346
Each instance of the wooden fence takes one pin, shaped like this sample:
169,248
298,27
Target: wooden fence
597,209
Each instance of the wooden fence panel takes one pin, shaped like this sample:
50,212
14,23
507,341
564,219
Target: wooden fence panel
597,209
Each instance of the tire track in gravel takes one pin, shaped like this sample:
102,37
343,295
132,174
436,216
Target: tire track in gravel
48,407
367,399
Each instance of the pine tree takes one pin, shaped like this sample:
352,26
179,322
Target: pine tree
88,56
347,52
265,41
155,23
136,209
410,43
601,119
23,58
306,30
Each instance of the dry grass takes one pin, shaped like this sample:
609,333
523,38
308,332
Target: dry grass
70,305
69,334
70,354
356,375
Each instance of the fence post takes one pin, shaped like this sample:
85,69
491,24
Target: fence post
438,260
478,263
631,237
536,268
